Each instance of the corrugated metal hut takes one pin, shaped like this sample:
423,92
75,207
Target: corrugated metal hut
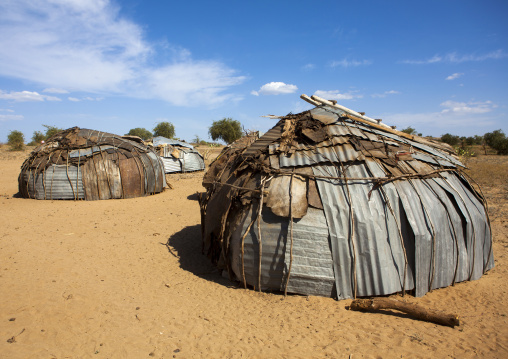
350,208
91,165
178,156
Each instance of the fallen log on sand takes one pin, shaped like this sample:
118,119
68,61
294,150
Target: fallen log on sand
413,310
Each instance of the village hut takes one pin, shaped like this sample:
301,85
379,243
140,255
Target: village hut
86,164
178,156
330,202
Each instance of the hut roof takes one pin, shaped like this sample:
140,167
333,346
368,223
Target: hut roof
178,156
351,208
88,164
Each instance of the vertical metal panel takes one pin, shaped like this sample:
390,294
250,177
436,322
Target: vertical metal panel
57,182
311,271
192,161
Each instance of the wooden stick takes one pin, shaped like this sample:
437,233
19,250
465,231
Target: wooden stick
413,310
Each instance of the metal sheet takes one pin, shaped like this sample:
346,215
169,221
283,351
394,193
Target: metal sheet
159,140
311,269
57,182
192,161
344,153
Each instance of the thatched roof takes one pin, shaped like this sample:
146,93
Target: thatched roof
87,164
350,208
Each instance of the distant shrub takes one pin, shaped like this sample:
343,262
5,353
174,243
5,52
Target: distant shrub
16,140
164,129
450,139
498,141
227,129
140,132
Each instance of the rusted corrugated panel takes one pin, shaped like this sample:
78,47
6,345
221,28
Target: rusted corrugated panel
264,141
133,177
311,270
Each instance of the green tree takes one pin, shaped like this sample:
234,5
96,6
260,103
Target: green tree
450,139
411,131
16,140
140,132
498,141
164,129
37,138
51,130
227,129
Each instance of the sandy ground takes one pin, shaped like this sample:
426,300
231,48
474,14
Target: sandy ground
96,280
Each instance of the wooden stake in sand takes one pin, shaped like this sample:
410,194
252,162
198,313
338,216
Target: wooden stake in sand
413,310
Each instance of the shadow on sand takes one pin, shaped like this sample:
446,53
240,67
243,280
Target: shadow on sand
186,246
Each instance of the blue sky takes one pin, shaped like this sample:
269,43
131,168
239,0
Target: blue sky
110,65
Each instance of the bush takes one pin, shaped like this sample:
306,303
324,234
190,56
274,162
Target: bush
227,129
37,138
450,139
140,132
411,131
164,129
51,130
498,141
16,140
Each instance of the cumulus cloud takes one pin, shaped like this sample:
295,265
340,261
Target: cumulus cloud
454,76
26,96
337,95
384,94
86,46
350,63
453,57
275,88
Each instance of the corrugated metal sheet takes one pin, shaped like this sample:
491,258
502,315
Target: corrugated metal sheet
192,161
57,182
311,269
171,164
159,140
343,153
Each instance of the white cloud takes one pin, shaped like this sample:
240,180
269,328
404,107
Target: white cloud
453,57
350,63
4,118
336,95
73,99
454,76
74,45
26,96
456,117
55,90
275,88
309,67
461,108
384,94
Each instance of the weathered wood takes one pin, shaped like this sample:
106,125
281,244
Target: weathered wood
413,310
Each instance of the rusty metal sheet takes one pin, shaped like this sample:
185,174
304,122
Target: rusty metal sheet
133,178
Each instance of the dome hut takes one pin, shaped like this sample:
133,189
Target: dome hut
330,202
91,165
178,156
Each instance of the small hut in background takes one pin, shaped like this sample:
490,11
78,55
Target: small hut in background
91,165
333,203
178,156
